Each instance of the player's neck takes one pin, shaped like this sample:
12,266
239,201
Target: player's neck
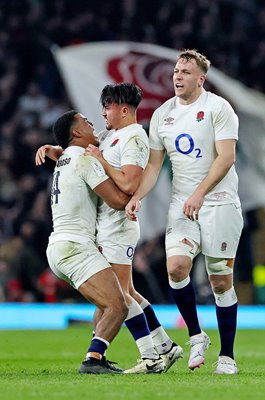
192,98
126,122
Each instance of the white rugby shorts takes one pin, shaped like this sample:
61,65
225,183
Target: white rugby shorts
75,262
217,231
117,253
118,246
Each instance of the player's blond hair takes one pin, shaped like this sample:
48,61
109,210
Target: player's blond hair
193,54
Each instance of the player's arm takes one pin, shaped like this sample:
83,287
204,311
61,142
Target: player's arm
94,175
127,179
148,181
226,155
47,150
112,195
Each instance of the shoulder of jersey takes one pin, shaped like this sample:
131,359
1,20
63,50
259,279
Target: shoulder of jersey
218,103
166,106
215,98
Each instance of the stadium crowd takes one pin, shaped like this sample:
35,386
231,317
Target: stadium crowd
32,96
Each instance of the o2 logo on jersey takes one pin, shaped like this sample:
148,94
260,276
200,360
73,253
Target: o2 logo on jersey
181,145
130,252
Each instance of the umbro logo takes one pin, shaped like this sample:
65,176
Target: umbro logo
169,121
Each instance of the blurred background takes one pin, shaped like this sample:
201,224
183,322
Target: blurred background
231,33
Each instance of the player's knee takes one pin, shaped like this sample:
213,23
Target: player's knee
218,285
178,268
221,283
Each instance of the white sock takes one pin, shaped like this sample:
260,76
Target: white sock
161,340
145,343
226,299
179,285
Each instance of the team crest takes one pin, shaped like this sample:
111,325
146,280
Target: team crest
223,246
200,116
169,121
114,143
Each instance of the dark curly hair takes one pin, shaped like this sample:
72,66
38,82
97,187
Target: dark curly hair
121,93
62,128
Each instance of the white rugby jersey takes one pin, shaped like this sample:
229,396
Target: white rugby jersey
126,146
73,202
188,134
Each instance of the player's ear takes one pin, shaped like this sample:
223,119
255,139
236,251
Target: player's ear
76,133
202,80
124,111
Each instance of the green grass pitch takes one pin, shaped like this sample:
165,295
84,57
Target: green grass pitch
43,365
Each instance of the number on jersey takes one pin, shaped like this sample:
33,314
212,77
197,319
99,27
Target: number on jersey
55,188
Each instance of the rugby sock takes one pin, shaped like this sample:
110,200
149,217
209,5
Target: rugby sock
226,312
93,335
97,347
184,295
152,320
137,325
161,340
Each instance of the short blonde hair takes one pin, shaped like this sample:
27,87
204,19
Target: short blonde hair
193,54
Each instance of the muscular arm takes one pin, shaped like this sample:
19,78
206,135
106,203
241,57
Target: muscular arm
112,195
226,154
148,181
127,179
